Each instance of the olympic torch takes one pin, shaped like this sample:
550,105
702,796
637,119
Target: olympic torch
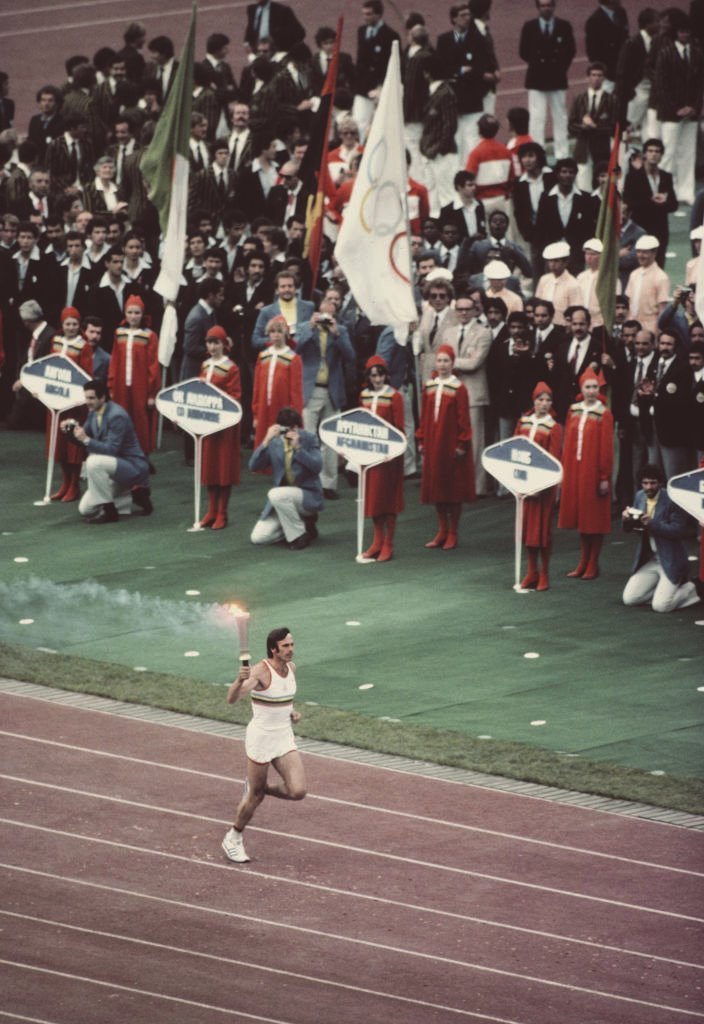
242,622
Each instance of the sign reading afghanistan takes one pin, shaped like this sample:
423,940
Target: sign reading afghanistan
362,437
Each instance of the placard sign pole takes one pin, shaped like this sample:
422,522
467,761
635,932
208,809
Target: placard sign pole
53,434
197,469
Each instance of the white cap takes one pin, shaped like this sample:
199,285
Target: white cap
496,270
697,233
594,245
647,242
556,251
439,274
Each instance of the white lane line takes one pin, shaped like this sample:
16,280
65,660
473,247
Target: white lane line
144,992
365,807
497,793
21,1016
464,872
28,11
417,908
247,964
399,950
143,15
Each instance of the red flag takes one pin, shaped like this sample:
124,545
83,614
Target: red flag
314,168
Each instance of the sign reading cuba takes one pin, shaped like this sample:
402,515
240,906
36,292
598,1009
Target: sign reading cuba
687,491
522,466
362,437
198,407
56,381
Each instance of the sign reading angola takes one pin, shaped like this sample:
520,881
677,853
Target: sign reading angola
56,381
198,407
364,438
687,491
522,466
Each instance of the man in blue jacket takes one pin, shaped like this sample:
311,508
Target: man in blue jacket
293,503
117,469
660,568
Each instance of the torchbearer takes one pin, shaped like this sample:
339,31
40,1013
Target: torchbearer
269,739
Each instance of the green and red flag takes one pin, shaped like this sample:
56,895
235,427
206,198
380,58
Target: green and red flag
165,168
314,168
608,230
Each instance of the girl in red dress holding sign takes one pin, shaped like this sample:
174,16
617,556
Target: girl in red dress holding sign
445,440
278,379
539,426
70,456
383,498
133,377
221,451
588,459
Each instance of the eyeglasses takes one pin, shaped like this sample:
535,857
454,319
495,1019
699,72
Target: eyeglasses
464,309
287,177
439,295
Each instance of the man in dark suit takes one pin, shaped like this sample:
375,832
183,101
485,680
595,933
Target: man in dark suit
70,157
287,199
606,31
632,82
466,211
219,73
164,64
592,121
47,125
565,213
633,383
270,20
374,41
527,193
547,46
213,188
109,293
293,503
673,385
116,467
696,398
463,54
325,41
660,568
583,351
650,194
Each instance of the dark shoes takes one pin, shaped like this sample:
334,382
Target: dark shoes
311,528
105,514
330,494
299,543
141,498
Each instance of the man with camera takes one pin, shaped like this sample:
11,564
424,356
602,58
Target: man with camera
326,353
660,569
117,469
293,503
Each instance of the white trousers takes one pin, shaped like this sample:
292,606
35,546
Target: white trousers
285,522
651,583
467,135
538,103
438,176
102,489
362,112
680,141
319,407
410,464
477,418
638,106
412,131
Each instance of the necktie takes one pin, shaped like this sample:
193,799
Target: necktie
685,55
461,338
233,158
221,184
120,164
639,372
661,370
73,161
434,328
592,112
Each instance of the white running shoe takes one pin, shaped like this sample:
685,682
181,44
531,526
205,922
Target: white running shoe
233,846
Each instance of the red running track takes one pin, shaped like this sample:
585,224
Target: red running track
383,897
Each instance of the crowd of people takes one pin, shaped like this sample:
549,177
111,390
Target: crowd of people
510,336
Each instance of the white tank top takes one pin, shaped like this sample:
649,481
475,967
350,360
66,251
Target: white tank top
272,707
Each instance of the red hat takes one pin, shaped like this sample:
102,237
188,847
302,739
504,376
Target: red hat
70,311
279,321
448,350
217,333
134,300
376,361
588,375
541,388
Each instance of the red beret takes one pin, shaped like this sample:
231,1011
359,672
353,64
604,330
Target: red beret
541,388
70,311
376,361
448,350
134,300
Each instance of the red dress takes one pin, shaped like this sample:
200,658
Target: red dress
221,451
383,494
278,382
588,458
79,351
444,426
537,511
133,378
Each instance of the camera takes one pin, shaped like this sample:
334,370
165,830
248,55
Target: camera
634,516
238,310
325,318
69,426
685,292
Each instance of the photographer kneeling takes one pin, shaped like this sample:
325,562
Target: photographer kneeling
661,568
117,469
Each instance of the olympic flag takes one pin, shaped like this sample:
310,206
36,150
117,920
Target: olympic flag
373,247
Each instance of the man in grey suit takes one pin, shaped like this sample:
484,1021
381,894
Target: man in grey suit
472,342
293,503
211,294
117,469
660,569
287,304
